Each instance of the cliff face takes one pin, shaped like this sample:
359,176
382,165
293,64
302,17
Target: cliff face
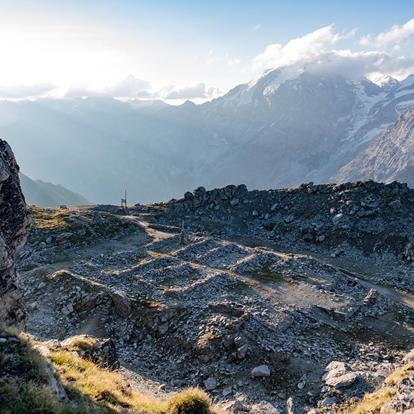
14,221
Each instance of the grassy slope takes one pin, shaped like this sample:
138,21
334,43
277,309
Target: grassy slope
25,385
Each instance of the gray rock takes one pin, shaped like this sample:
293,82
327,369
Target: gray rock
210,384
342,381
260,371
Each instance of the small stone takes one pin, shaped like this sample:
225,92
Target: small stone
210,384
242,351
227,391
261,371
328,401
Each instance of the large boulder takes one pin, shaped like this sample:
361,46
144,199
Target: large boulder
14,222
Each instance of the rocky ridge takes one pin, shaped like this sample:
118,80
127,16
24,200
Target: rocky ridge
13,225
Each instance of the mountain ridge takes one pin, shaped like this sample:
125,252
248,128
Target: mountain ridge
47,194
281,130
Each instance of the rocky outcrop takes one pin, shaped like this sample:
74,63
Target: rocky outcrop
13,225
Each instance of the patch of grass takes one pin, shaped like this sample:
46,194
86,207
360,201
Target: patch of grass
397,376
48,218
240,287
19,358
265,275
190,401
373,402
29,398
81,343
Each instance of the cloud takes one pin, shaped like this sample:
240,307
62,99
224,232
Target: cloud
316,52
187,92
356,65
26,91
393,36
131,87
302,49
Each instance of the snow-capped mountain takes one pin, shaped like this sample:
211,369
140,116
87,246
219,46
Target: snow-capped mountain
303,126
389,157
289,126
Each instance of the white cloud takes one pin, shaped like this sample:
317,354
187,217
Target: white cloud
393,36
131,87
26,91
296,50
316,52
186,92
355,65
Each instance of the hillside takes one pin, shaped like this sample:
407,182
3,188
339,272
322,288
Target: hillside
44,194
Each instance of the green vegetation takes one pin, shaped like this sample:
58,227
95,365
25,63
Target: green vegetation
265,275
25,388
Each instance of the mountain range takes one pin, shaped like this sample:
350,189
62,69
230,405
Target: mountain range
287,127
46,194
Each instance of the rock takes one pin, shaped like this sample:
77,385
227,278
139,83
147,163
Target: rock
307,237
328,401
68,309
101,351
242,351
264,407
290,406
210,384
121,303
342,381
14,222
409,357
236,406
227,391
371,297
260,371
104,354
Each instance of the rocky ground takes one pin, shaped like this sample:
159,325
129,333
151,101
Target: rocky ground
273,301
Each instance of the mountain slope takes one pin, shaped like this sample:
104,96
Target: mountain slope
390,157
289,126
47,194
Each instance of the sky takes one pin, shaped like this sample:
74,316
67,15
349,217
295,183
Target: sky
177,50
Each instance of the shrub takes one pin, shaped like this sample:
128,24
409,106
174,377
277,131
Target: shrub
190,401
